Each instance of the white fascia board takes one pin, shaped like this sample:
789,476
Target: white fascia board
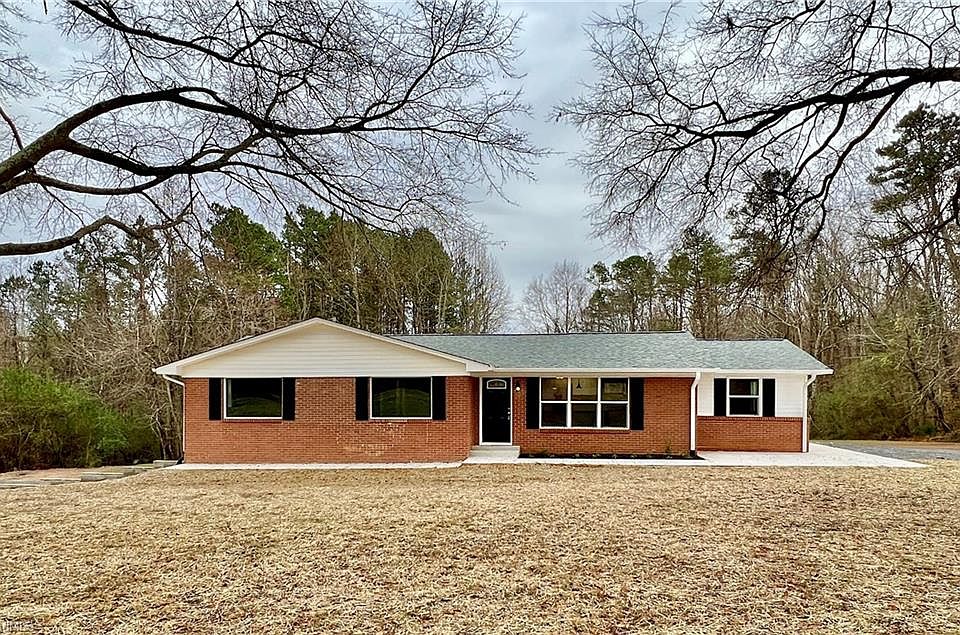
174,368
753,372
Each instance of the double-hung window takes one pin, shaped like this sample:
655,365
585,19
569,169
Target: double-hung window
744,397
401,397
584,402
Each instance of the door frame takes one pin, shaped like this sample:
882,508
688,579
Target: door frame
481,386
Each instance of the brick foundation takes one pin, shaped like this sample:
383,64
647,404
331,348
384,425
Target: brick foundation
326,430
750,434
666,404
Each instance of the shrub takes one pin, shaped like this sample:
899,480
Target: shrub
48,423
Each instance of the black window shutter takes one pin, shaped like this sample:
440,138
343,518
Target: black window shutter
363,401
439,398
215,399
533,403
720,397
769,397
636,403
289,399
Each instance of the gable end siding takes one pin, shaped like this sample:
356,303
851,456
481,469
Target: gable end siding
321,351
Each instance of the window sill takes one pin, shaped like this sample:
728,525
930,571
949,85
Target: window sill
586,430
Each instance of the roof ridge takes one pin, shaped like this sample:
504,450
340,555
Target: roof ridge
537,334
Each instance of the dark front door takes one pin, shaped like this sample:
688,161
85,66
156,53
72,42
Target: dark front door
495,410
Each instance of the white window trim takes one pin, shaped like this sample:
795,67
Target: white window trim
758,397
225,403
370,400
598,402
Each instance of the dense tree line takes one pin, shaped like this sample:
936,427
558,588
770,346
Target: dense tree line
875,297
111,308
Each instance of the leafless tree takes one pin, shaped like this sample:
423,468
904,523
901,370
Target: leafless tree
554,303
380,111
686,115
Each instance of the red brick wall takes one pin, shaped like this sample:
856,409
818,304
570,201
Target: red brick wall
326,431
760,434
666,405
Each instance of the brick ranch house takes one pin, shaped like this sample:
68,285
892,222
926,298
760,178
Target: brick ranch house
318,391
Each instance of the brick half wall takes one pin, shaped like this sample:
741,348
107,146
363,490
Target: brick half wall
325,429
750,434
666,430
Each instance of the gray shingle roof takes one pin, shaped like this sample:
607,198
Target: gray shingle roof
655,350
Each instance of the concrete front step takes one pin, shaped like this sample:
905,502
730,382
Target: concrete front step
494,449
164,462
493,454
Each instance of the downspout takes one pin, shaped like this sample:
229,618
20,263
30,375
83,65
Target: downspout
804,442
693,414
172,380
183,413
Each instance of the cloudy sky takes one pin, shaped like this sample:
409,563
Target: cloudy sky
544,222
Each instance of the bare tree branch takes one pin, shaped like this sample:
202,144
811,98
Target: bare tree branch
140,232
687,115
385,113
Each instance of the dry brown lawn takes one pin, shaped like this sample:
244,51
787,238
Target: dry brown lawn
513,549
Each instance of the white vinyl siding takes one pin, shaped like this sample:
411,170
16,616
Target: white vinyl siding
790,394
322,351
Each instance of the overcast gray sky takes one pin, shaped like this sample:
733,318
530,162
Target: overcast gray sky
546,224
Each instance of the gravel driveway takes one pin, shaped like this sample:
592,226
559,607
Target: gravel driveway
906,450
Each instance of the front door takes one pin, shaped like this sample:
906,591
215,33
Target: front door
495,410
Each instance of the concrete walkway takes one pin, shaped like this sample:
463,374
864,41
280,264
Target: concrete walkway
818,456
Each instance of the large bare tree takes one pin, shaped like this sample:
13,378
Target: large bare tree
688,112
383,112
555,302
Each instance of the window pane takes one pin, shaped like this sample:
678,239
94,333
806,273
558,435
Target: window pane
613,389
744,386
553,415
613,415
584,415
583,388
401,396
553,389
744,406
254,397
